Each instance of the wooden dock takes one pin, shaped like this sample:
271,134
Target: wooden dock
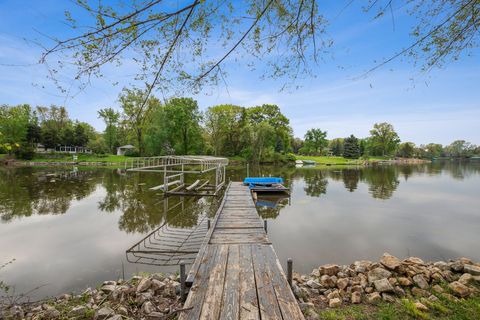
236,274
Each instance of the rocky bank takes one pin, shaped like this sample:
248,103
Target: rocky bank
329,286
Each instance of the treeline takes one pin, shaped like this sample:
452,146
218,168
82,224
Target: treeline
177,126
383,141
22,128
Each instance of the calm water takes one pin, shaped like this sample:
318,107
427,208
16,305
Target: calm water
68,229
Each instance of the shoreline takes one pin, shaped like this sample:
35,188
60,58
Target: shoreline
14,163
412,287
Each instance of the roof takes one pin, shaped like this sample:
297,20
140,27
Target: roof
127,146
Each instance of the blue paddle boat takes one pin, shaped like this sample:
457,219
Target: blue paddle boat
266,184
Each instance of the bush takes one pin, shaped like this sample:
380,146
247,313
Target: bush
132,153
25,153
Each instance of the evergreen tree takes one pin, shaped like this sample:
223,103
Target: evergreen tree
351,148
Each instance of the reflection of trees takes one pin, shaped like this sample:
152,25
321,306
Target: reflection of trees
269,207
25,191
143,209
351,178
382,181
316,182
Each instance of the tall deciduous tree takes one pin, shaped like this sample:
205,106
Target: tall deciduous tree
110,117
406,150
183,118
137,113
383,138
315,141
224,124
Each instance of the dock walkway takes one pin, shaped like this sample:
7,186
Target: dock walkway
236,274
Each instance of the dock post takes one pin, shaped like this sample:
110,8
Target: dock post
182,281
265,225
289,271
208,224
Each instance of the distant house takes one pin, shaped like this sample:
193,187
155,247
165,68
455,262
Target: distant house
40,148
121,150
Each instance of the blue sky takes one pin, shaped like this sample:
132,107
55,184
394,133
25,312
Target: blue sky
441,106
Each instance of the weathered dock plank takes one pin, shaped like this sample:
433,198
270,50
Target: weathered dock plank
237,274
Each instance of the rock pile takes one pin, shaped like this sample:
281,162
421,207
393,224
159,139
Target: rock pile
152,297
389,279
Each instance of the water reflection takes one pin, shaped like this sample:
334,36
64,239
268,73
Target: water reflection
25,192
82,221
269,205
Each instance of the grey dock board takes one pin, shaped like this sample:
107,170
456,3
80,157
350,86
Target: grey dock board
236,274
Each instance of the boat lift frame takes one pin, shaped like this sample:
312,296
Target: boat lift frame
174,169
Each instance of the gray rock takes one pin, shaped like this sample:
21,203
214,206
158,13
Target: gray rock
148,307
473,270
378,274
78,311
329,269
327,281
466,278
420,281
334,303
388,297
122,311
103,313
108,288
459,289
419,292
456,266
399,291
115,317
389,261
356,297
144,285
313,284
342,283
373,297
383,285
442,265
420,306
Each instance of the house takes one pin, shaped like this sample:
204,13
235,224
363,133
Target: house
121,150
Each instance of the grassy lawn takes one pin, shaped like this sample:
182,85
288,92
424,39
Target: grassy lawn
324,160
83,158
330,160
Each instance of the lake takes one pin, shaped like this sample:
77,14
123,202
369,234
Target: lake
69,228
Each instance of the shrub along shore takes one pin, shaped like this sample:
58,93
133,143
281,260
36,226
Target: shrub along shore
388,289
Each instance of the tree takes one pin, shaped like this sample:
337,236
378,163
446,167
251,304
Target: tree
406,150
155,31
315,141
351,148
53,122
297,144
224,124
460,148
434,150
383,138
110,117
336,146
14,121
137,113
183,125
272,115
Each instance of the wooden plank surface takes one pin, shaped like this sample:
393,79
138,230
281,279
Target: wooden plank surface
237,274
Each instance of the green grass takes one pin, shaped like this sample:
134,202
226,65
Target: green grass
326,160
444,309
83,158
323,160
